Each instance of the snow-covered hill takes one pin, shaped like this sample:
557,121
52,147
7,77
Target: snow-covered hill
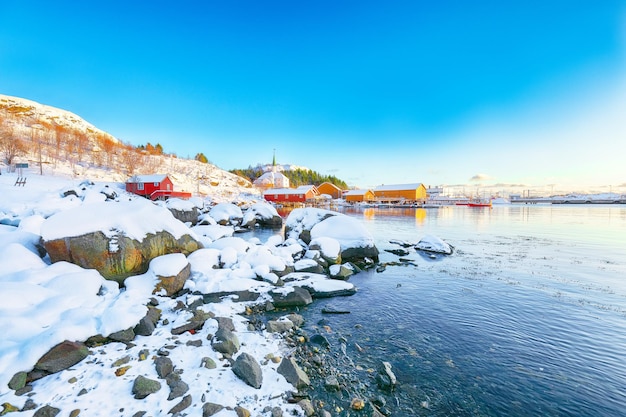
117,165
26,113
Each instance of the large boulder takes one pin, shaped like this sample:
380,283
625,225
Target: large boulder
62,356
263,215
172,271
317,225
184,210
248,370
116,239
301,220
226,214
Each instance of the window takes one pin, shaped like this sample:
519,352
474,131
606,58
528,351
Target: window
156,184
140,185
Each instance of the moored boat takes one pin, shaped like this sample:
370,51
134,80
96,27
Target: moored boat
480,203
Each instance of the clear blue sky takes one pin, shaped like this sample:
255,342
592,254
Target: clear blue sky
440,92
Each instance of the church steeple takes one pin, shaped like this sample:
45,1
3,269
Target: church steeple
274,159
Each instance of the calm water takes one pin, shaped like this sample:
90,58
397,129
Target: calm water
527,317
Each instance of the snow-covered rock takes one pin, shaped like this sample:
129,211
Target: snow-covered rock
430,243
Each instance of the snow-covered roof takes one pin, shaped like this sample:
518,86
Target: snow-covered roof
147,178
282,191
357,192
305,188
398,187
269,178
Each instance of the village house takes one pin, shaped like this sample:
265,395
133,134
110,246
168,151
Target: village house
272,179
401,192
154,187
302,194
359,196
330,189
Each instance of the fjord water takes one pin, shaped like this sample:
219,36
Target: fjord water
527,317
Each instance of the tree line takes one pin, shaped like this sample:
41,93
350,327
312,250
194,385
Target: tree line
297,177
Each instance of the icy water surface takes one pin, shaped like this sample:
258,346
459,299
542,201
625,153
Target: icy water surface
527,317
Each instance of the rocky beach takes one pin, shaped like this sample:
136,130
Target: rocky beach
117,307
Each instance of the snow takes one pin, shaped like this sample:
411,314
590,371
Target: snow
329,247
432,243
348,231
135,218
45,304
225,212
259,210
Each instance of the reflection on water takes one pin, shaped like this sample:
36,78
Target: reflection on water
527,317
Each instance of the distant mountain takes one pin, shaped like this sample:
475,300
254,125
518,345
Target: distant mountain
60,143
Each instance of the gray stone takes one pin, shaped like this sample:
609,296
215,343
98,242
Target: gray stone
299,297
186,216
47,411
123,336
18,381
209,409
331,383
145,327
163,366
178,388
296,319
248,370
276,326
386,378
321,340
208,363
307,407
183,404
343,273
293,373
142,387
225,323
64,355
225,342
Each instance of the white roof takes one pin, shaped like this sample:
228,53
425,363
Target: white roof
147,178
282,191
305,188
398,187
356,192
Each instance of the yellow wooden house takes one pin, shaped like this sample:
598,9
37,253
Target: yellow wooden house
330,189
357,196
401,192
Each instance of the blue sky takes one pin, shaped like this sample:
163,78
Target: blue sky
518,93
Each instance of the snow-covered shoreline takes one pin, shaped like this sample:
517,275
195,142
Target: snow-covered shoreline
51,302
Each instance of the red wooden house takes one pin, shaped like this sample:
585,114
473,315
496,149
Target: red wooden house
154,187
301,194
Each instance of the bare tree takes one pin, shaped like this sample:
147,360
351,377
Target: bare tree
130,159
10,145
82,144
109,147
